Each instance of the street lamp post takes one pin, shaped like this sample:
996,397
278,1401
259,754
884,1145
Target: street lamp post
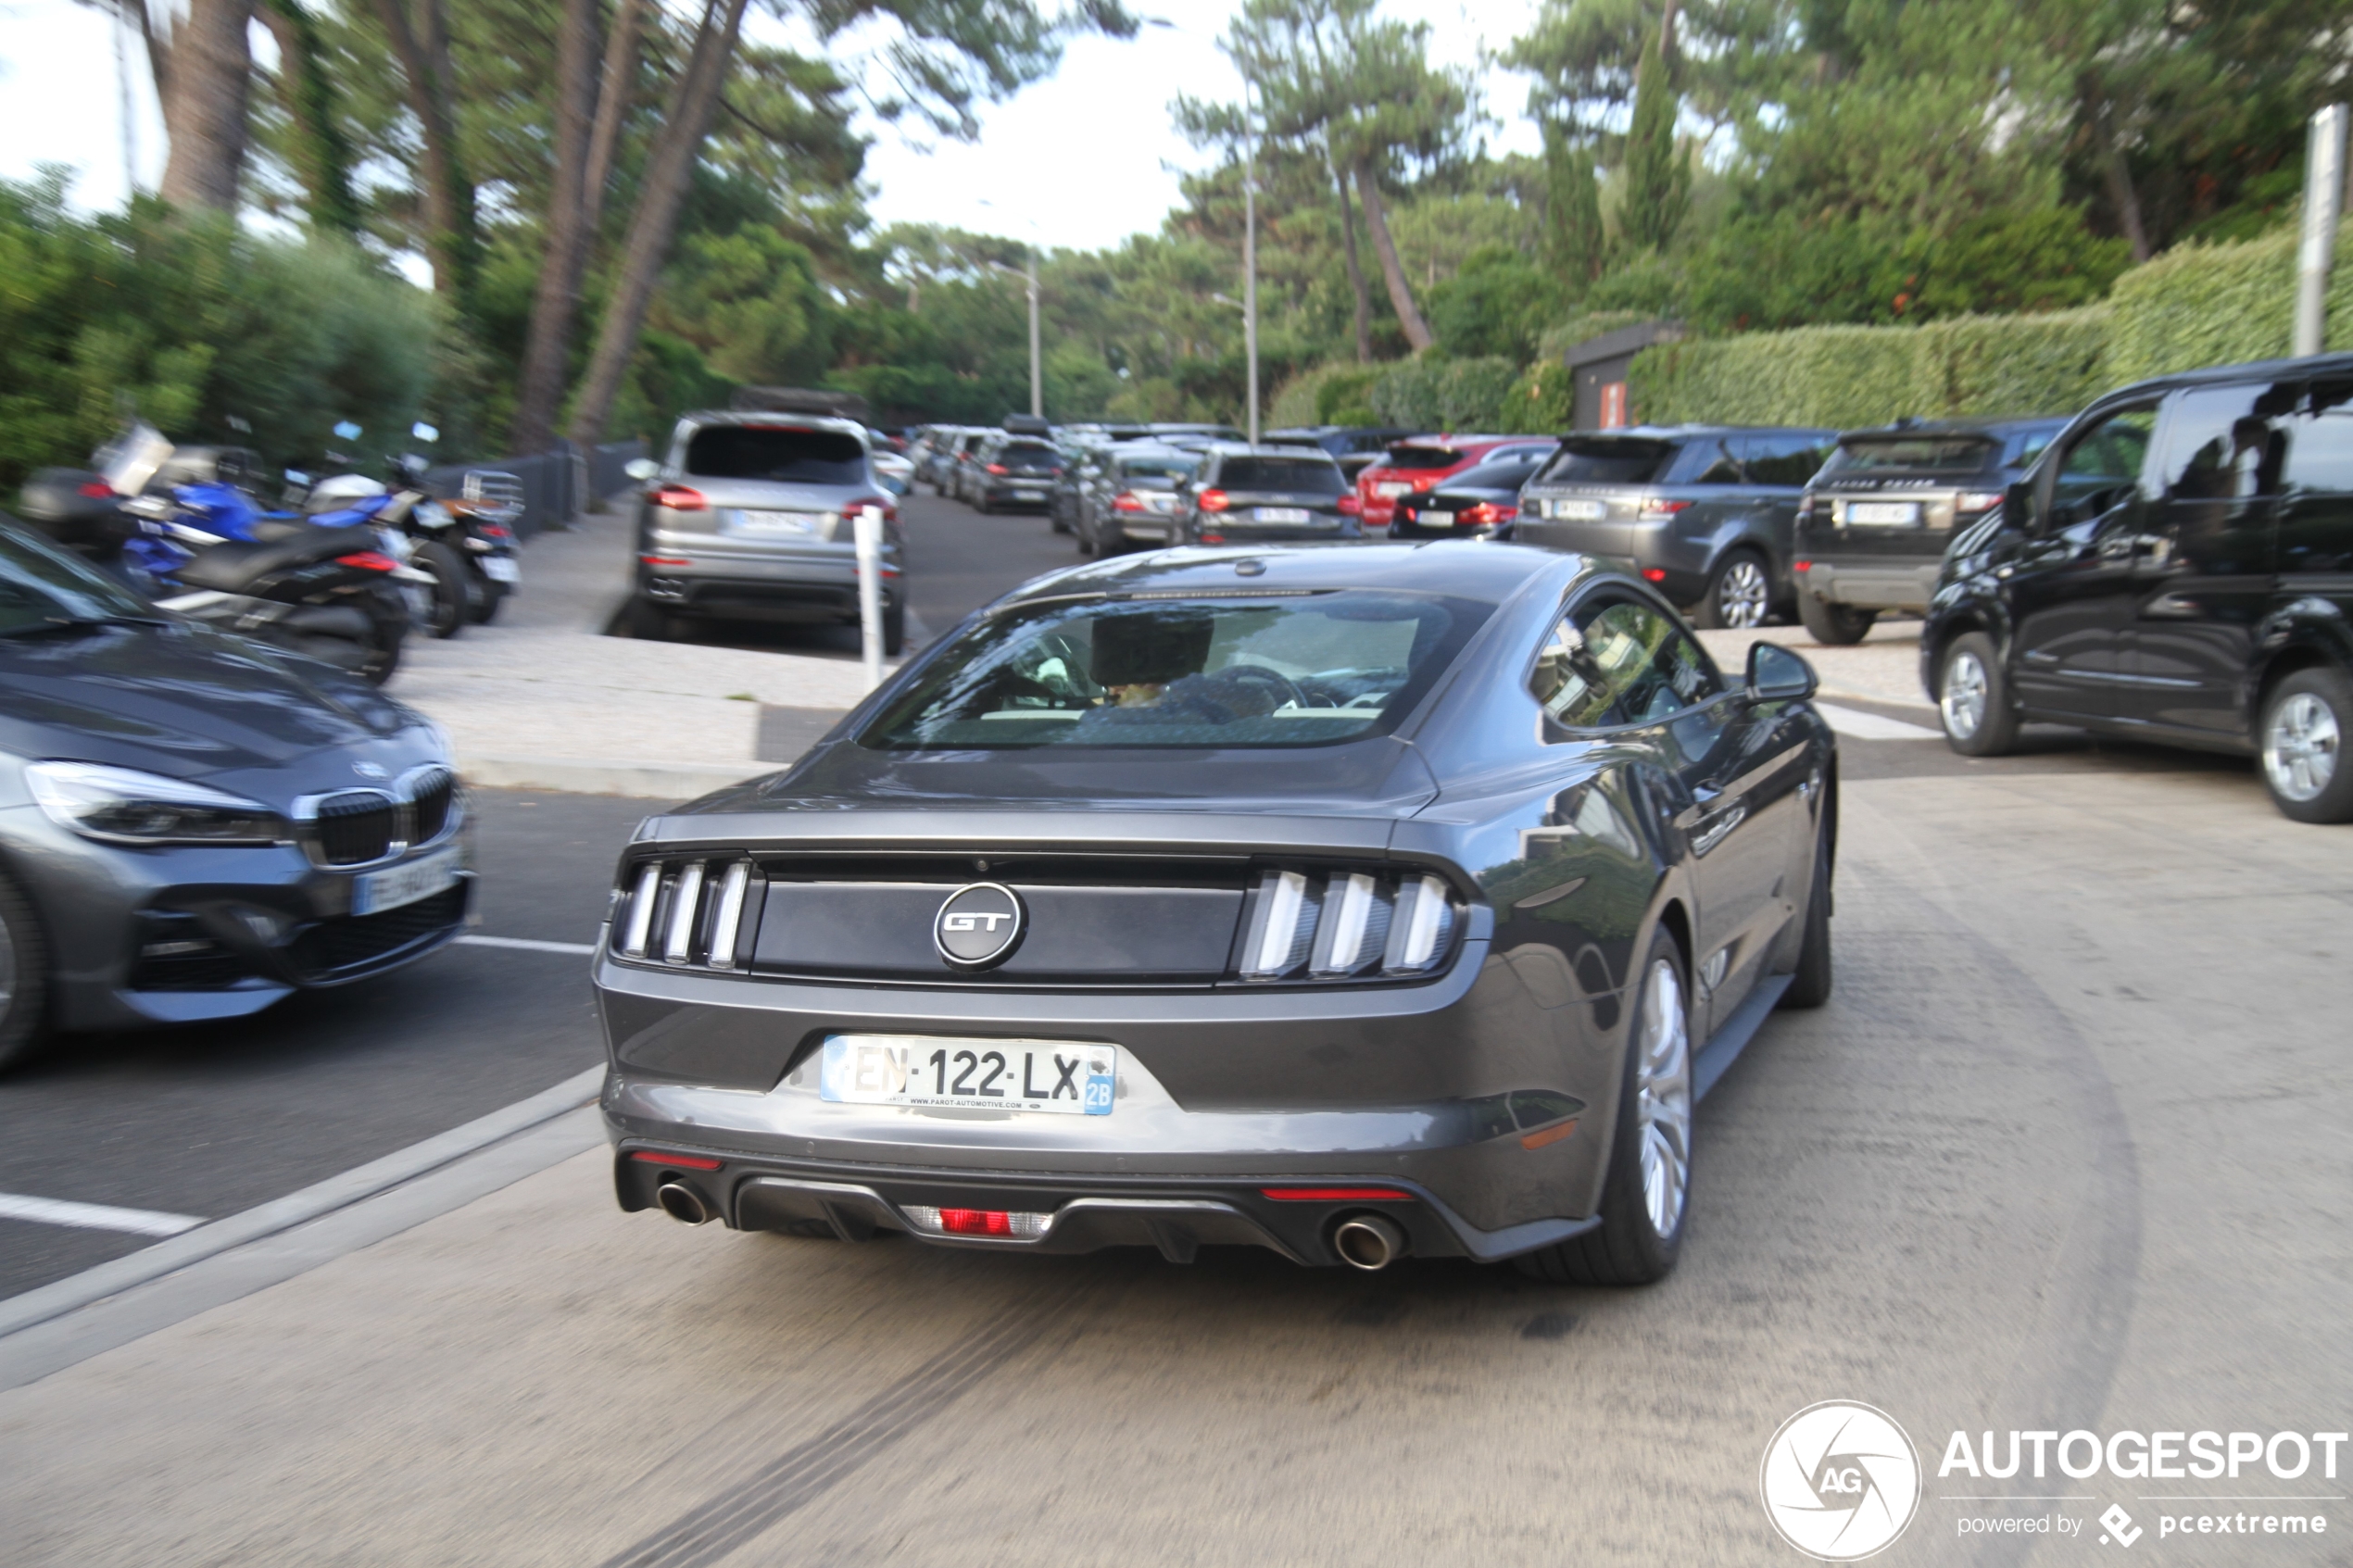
1250,266
1028,275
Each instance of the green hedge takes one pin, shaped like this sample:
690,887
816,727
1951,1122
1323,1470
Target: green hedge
1433,394
2220,305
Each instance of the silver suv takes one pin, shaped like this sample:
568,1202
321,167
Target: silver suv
749,518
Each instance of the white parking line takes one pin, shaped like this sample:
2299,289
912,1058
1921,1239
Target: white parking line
94,1216
1871,726
527,945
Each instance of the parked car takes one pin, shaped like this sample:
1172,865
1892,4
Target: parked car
199,825
1257,495
1134,496
1010,471
1356,448
1707,513
1345,903
958,462
1873,525
748,518
1083,452
1481,502
932,454
1427,462
2179,566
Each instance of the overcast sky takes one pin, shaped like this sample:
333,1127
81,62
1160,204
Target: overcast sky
1082,159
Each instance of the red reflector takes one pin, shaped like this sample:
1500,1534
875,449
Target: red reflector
1801,565
369,560
1653,574
678,498
1351,506
96,491
666,560
1337,1195
1126,501
1214,501
976,1222
1213,538
683,1161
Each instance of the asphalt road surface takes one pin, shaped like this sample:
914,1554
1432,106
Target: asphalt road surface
2065,1152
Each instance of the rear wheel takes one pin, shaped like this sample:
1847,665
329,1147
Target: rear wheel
488,596
447,612
2302,733
649,622
1739,595
1647,1194
1973,699
894,628
24,977
1833,625
1810,985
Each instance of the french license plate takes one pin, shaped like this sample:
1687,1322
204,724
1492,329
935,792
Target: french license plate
1436,519
396,885
1279,514
772,525
1882,514
1060,1077
1392,487
499,568
1580,511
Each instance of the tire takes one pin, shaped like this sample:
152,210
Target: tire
1060,523
449,612
24,978
2300,744
649,622
1810,987
1973,697
1642,1228
489,597
1833,625
1088,545
387,628
1739,595
894,628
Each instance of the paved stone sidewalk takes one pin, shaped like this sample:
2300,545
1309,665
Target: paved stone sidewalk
542,699
1884,667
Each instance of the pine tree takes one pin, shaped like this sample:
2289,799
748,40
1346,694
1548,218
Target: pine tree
1573,239
1657,179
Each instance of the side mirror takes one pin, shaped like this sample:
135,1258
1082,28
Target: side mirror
1775,674
2018,506
641,469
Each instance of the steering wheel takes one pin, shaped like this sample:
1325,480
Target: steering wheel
1259,674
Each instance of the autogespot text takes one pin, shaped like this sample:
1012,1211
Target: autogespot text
2153,1456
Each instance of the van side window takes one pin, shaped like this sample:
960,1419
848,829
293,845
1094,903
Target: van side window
1789,459
2102,466
2221,445
2319,445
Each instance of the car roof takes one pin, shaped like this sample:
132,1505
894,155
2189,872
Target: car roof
774,420
2052,422
1489,572
2316,366
1269,449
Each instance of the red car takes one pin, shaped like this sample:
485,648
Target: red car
1423,462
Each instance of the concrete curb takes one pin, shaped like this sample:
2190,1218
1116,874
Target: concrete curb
652,781
63,1296
1856,694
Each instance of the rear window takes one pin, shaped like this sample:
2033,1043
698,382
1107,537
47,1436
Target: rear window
1292,475
1281,670
1508,474
1028,452
1412,457
1609,461
1169,466
777,453
1961,454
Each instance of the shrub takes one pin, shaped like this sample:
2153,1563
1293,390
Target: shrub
1430,392
2202,305
1312,396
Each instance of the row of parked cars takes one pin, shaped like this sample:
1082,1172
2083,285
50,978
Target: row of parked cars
2175,563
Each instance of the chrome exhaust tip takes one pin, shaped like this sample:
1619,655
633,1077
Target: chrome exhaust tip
1368,1242
682,1203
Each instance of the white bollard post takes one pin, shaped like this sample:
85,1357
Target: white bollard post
2315,252
867,529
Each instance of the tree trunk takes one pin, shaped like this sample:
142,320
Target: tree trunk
450,241
662,191
539,387
1359,294
1401,293
2116,172
613,109
307,90
202,76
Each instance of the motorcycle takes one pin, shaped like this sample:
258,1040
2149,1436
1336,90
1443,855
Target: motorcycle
489,505
173,524
463,550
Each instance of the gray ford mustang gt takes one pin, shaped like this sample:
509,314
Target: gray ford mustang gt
1351,903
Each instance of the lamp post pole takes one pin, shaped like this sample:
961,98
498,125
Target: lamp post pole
1037,370
2315,252
1250,265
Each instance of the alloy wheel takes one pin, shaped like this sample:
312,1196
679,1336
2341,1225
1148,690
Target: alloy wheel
1740,594
1663,1098
2300,747
8,968
1962,700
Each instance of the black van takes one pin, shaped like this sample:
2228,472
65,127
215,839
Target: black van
2177,565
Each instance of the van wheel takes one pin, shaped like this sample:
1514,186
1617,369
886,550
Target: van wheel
1973,697
1739,595
2306,719
1833,625
1647,1195
24,978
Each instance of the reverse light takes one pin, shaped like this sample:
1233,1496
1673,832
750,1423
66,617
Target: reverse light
1660,511
1214,501
678,498
1337,1195
123,806
680,1162
369,560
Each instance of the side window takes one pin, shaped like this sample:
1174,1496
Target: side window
2319,445
1709,460
1790,459
1620,661
2222,444
2102,466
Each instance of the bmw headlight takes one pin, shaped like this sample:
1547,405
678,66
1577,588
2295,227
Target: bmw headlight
123,806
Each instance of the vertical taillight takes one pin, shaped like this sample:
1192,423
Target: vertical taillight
638,920
686,911
1347,925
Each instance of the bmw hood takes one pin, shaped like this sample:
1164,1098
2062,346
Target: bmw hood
183,701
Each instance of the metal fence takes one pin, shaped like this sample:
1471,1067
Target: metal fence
552,482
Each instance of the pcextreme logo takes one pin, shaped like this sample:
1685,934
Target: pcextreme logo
1840,1481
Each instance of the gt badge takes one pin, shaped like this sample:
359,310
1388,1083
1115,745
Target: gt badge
979,926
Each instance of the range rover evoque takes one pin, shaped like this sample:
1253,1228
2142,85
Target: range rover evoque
1347,903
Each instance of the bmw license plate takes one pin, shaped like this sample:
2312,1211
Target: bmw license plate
1580,511
1882,514
1279,514
773,525
396,885
499,568
1392,487
1062,1077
